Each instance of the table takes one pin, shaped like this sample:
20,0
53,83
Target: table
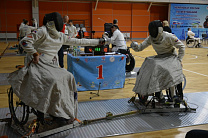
108,71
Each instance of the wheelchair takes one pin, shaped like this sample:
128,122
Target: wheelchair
153,101
130,61
191,42
28,121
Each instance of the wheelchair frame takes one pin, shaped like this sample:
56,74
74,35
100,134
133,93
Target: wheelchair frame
191,42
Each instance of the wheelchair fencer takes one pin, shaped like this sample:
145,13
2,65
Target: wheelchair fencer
117,39
160,72
191,42
41,86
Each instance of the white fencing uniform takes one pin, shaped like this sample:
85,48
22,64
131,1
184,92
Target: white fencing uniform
21,25
72,31
163,70
45,86
25,30
118,40
191,35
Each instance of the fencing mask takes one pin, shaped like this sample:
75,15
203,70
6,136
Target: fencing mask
56,17
155,28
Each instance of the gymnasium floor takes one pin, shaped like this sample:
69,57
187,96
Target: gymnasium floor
195,63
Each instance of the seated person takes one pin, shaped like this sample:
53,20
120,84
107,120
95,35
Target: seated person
118,40
206,22
191,36
26,29
81,33
164,70
22,24
42,84
166,26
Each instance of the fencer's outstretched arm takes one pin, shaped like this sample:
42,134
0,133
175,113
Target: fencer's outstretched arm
81,42
139,47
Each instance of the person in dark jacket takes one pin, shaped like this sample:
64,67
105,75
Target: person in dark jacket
81,33
166,26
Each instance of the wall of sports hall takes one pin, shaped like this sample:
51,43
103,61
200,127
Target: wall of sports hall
133,17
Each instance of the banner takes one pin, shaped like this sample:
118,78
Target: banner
184,16
92,72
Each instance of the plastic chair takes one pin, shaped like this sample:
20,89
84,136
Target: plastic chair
76,25
204,38
81,25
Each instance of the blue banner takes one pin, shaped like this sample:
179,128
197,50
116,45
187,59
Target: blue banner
92,72
184,16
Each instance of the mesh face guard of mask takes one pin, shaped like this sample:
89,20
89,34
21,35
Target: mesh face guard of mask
56,17
155,28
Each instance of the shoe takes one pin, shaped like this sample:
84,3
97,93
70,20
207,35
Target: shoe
62,121
199,45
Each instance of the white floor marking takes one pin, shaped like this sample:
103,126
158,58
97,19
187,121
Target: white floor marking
193,63
195,72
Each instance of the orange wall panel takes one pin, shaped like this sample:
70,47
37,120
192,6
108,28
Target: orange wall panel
159,13
139,35
13,20
140,9
132,17
103,19
18,6
79,8
48,7
11,29
122,8
12,13
2,6
141,20
102,8
2,22
125,29
75,11
141,28
123,20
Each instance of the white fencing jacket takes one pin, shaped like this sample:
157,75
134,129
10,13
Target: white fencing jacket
40,41
21,25
165,44
118,40
191,34
25,30
72,31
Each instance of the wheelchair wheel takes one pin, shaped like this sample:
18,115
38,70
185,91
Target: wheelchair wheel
190,43
131,66
20,111
184,82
